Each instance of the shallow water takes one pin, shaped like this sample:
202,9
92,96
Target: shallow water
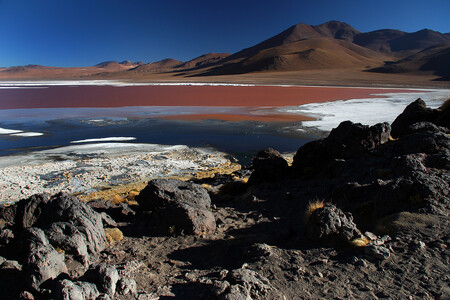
61,121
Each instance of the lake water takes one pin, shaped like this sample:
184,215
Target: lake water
36,116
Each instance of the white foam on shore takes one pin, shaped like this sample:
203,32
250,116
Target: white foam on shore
9,131
21,133
108,139
366,111
28,134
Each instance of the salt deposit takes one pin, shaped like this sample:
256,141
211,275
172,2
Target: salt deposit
85,168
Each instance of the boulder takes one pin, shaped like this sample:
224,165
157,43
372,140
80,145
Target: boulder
68,290
42,262
126,286
183,205
347,141
330,223
417,111
107,277
268,165
67,237
80,220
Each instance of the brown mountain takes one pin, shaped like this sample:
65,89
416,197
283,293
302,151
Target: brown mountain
399,43
435,59
164,65
203,61
337,30
330,45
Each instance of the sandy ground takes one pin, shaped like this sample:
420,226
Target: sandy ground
325,77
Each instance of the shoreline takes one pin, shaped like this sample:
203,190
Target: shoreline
83,169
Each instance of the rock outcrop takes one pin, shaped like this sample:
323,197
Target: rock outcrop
329,222
182,206
268,165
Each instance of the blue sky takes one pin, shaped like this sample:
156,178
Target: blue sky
86,32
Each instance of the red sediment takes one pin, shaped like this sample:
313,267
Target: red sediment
243,96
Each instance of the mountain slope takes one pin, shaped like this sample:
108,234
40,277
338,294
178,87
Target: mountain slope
203,61
313,53
435,59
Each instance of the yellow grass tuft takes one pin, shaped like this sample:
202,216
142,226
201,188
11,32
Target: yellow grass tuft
116,199
360,242
59,250
113,235
206,186
313,206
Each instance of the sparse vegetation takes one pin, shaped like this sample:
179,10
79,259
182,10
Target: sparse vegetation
313,206
113,235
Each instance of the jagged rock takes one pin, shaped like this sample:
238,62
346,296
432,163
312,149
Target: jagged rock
6,236
348,140
184,205
107,220
68,290
377,252
107,277
422,138
43,262
83,221
330,222
248,284
126,286
417,111
7,215
26,296
67,237
268,165
10,265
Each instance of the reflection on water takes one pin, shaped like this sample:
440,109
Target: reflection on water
241,139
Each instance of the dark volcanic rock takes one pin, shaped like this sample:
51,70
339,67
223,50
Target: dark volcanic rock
330,222
83,223
268,165
414,112
184,205
43,262
348,140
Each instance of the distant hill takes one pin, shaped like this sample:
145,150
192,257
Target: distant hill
203,61
158,66
435,59
399,43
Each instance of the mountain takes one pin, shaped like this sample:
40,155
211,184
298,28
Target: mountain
164,65
332,44
337,30
435,59
203,61
399,43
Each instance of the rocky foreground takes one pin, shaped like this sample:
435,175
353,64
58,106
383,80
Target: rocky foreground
363,213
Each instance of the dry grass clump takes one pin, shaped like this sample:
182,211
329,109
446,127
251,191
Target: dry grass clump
312,207
360,242
113,235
